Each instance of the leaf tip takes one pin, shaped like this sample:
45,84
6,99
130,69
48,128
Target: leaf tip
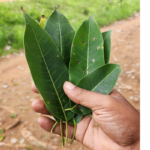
42,16
22,9
92,16
56,7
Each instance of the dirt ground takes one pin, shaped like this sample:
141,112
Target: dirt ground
22,132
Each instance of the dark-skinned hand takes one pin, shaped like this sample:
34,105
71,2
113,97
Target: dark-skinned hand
115,124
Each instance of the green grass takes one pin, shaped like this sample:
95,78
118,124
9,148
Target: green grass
12,23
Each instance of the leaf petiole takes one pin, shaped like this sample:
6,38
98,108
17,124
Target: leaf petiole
90,115
71,108
54,126
74,132
66,132
61,130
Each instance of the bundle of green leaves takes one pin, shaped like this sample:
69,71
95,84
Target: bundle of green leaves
55,54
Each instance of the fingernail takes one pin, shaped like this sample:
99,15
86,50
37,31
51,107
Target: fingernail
69,85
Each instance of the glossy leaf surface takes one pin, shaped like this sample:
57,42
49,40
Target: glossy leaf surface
102,80
47,67
57,119
87,52
61,32
107,45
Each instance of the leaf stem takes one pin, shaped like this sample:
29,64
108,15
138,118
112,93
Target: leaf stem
90,115
66,132
74,132
96,125
54,126
71,108
67,109
61,130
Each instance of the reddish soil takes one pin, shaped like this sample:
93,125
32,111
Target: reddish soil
16,95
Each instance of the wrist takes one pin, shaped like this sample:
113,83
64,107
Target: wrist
138,143
137,146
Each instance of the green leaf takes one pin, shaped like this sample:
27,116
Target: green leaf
101,80
2,131
87,52
61,32
77,119
2,137
57,119
107,45
47,67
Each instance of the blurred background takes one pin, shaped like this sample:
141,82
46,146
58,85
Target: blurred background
12,23
18,123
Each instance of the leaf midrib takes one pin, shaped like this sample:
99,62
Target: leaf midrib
87,68
48,72
59,33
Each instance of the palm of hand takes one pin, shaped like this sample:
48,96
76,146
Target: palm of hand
111,127
108,126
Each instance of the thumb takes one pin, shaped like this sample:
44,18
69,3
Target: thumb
84,97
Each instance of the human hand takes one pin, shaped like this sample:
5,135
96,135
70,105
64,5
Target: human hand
115,124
